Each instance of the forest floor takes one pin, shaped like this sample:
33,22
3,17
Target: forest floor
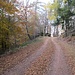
50,56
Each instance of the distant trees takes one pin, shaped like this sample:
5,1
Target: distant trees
66,12
52,9
62,12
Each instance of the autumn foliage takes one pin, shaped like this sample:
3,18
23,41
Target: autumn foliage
18,24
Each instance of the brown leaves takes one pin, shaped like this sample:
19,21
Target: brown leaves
41,64
8,7
69,51
10,60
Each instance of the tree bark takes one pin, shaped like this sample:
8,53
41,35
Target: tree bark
26,25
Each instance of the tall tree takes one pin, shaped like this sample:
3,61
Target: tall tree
6,9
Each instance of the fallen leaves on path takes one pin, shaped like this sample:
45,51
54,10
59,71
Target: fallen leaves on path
41,64
8,61
69,51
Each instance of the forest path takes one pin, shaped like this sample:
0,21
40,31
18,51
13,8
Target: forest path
20,68
58,64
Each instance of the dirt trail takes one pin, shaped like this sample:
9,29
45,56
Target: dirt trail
59,65
20,68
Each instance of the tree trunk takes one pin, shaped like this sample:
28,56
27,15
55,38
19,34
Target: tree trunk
26,24
28,33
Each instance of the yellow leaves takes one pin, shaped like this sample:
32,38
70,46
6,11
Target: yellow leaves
64,1
52,6
18,29
3,4
52,17
52,10
47,6
56,0
8,7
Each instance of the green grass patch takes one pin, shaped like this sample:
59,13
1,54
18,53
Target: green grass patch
17,48
30,42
